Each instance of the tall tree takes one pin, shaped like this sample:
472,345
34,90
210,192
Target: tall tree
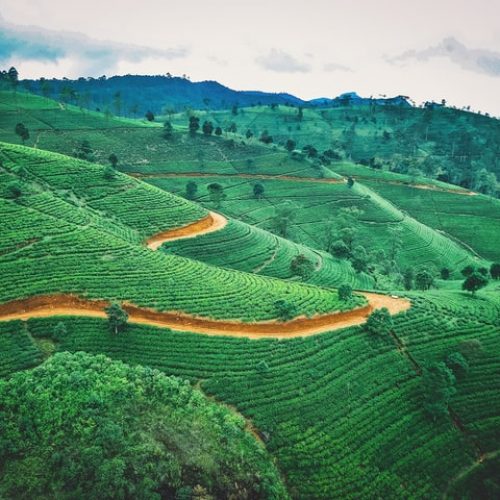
474,282
22,132
117,318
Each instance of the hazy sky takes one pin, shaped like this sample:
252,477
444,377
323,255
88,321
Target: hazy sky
426,49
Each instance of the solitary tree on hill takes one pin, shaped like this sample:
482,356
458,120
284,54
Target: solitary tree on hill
194,124
290,145
350,182
438,384
379,322
207,128
191,189
474,282
218,131
424,279
285,310
117,318
14,190
302,266
248,134
113,159
168,130
150,117
258,190
216,193
22,132
345,292
495,270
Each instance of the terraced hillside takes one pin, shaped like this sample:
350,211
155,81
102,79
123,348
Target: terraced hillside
215,294
73,245
342,412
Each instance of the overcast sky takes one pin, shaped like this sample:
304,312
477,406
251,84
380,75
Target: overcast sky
428,50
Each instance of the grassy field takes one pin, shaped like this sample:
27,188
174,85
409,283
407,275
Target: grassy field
342,412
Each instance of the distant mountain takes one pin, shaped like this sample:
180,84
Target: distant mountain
353,99
133,95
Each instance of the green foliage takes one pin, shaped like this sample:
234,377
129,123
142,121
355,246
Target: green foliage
345,292
207,128
150,117
285,310
458,364
168,130
194,124
22,132
216,193
302,266
379,322
113,431
424,279
191,190
117,318
258,190
438,384
474,282
14,190
495,270
113,159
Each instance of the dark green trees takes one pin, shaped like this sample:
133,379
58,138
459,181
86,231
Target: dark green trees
258,190
150,117
117,318
438,383
474,282
216,193
379,322
113,159
22,132
285,311
207,128
168,130
191,190
302,266
345,292
194,124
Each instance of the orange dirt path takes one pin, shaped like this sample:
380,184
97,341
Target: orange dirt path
43,306
212,222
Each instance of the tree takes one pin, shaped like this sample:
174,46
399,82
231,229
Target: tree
233,128
266,138
283,216
248,134
117,318
359,259
445,273
168,130
438,383
191,190
207,128
117,102
458,364
290,145
495,270
13,77
258,190
350,182
285,310
302,266
234,110
474,282
300,114
408,277
218,131
345,292
113,159
339,249
216,193
14,190
109,173
379,322
150,117
424,279
467,270
22,132
194,124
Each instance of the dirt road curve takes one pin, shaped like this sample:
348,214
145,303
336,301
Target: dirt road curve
69,305
212,222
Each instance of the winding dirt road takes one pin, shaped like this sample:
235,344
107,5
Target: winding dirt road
212,222
43,306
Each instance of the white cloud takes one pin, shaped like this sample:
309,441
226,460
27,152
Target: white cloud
477,60
282,62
